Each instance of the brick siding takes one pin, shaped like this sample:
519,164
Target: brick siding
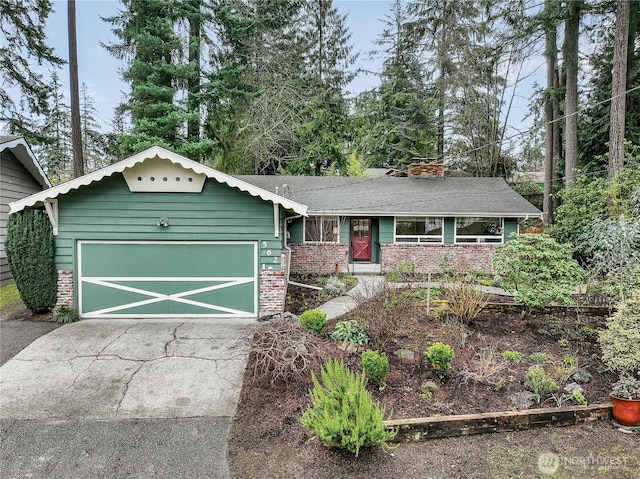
65,288
273,289
319,258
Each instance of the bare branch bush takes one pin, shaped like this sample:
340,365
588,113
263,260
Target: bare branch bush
284,351
466,299
486,367
382,315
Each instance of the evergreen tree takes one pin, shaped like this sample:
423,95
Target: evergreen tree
325,41
55,154
23,41
94,147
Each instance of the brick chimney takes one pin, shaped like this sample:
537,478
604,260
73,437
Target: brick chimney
425,169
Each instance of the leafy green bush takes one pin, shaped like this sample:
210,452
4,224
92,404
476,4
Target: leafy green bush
314,320
64,315
30,253
539,382
375,365
538,270
620,341
342,412
540,357
440,355
514,356
351,331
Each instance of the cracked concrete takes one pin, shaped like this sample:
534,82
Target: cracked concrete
109,369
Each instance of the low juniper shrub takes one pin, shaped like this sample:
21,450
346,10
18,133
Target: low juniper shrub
314,320
439,356
376,366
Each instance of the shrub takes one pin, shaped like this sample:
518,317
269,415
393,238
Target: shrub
620,341
466,300
440,355
539,382
30,253
376,366
284,351
514,356
65,315
342,412
540,357
350,331
382,319
314,320
538,270
334,287
486,367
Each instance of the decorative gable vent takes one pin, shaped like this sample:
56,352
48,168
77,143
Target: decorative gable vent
425,169
157,175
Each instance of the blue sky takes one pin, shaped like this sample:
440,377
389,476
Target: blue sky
100,71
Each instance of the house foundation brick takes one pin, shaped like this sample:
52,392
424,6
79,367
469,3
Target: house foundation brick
273,289
65,288
319,258
430,258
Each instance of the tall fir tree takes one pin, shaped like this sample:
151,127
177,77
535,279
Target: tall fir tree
24,41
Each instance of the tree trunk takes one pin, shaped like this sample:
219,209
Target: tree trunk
193,101
618,90
551,54
76,132
572,33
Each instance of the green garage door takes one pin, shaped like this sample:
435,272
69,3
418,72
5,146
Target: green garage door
167,279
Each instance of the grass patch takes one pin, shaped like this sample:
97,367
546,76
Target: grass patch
9,296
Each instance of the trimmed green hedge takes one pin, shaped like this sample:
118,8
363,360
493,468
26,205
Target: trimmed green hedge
30,253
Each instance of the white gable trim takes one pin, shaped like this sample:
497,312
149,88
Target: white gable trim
21,149
156,151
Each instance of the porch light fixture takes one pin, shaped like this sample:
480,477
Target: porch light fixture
163,222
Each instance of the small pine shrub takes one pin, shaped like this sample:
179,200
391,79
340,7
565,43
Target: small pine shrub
539,382
65,315
351,331
314,320
334,287
376,366
342,412
439,356
30,253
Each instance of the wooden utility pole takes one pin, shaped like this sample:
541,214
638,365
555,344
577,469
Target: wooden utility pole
76,132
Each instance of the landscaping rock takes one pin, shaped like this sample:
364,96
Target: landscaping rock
581,376
405,354
523,400
573,387
429,388
348,347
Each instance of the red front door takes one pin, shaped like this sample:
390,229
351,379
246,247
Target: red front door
361,239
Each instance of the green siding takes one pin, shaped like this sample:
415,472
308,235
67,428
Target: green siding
107,210
510,226
296,231
386,234
449,230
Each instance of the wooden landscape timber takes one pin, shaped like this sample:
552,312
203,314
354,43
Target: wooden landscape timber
422,429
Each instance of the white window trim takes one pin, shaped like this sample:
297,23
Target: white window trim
322,217
439,238
478,238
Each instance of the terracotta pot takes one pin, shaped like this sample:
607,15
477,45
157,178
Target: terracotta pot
626,411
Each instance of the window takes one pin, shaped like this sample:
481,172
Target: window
419,230
478,230
321,229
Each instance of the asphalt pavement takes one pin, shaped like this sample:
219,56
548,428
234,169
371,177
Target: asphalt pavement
120,398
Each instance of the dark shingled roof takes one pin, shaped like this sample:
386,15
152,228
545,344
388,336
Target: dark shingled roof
394,196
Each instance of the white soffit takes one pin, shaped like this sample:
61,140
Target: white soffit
160,175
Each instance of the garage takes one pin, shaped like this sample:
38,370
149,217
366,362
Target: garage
148,279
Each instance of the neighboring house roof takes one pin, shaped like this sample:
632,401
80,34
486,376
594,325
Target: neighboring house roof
22,151
153,152
395,196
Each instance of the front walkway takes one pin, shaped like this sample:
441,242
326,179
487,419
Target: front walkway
368,286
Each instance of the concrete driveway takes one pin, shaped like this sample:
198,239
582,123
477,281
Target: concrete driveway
110,395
